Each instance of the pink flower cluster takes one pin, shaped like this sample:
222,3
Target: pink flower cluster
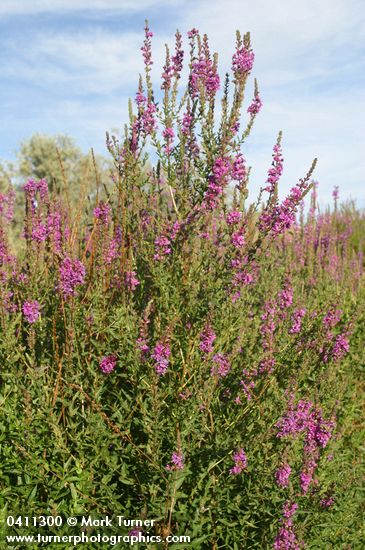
233,217
168,135
242,62
240,462
203,74
33,187
31,311
130,280
177,461
163,243
282,475
286,539
217,182
108,363
207,338
276,170
297,318
161,355
221,365
239,170
102,212
71,275
255,106
306,418
7,205
146,48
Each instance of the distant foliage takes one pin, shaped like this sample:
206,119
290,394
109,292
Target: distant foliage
169,352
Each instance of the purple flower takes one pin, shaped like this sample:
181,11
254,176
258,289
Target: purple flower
221,169
178,57
341,347
31,311
332,317
54,226
212,194
240,462
306,478
296,319
204,75
167,74
130,280
140,98
282,475
39,232
248,382
276,170
233,217
186,122
146,48
111,252
177,461
327,502
296,420
161,354
255,106
217,181
207,338
194,32
135,532
163,247
239,171
237,239
102,212
286,538
32,187
168,134
221,365
335,193
108,363
7,205
142,346
289,509
242,62
285,297
72,275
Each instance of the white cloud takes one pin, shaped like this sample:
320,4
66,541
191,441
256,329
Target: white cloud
91,61
287,35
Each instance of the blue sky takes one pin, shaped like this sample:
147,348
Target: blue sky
69,66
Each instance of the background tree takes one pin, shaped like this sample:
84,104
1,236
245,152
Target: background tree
59,160
70,173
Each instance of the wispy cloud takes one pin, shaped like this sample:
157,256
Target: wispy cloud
91,61
20,7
